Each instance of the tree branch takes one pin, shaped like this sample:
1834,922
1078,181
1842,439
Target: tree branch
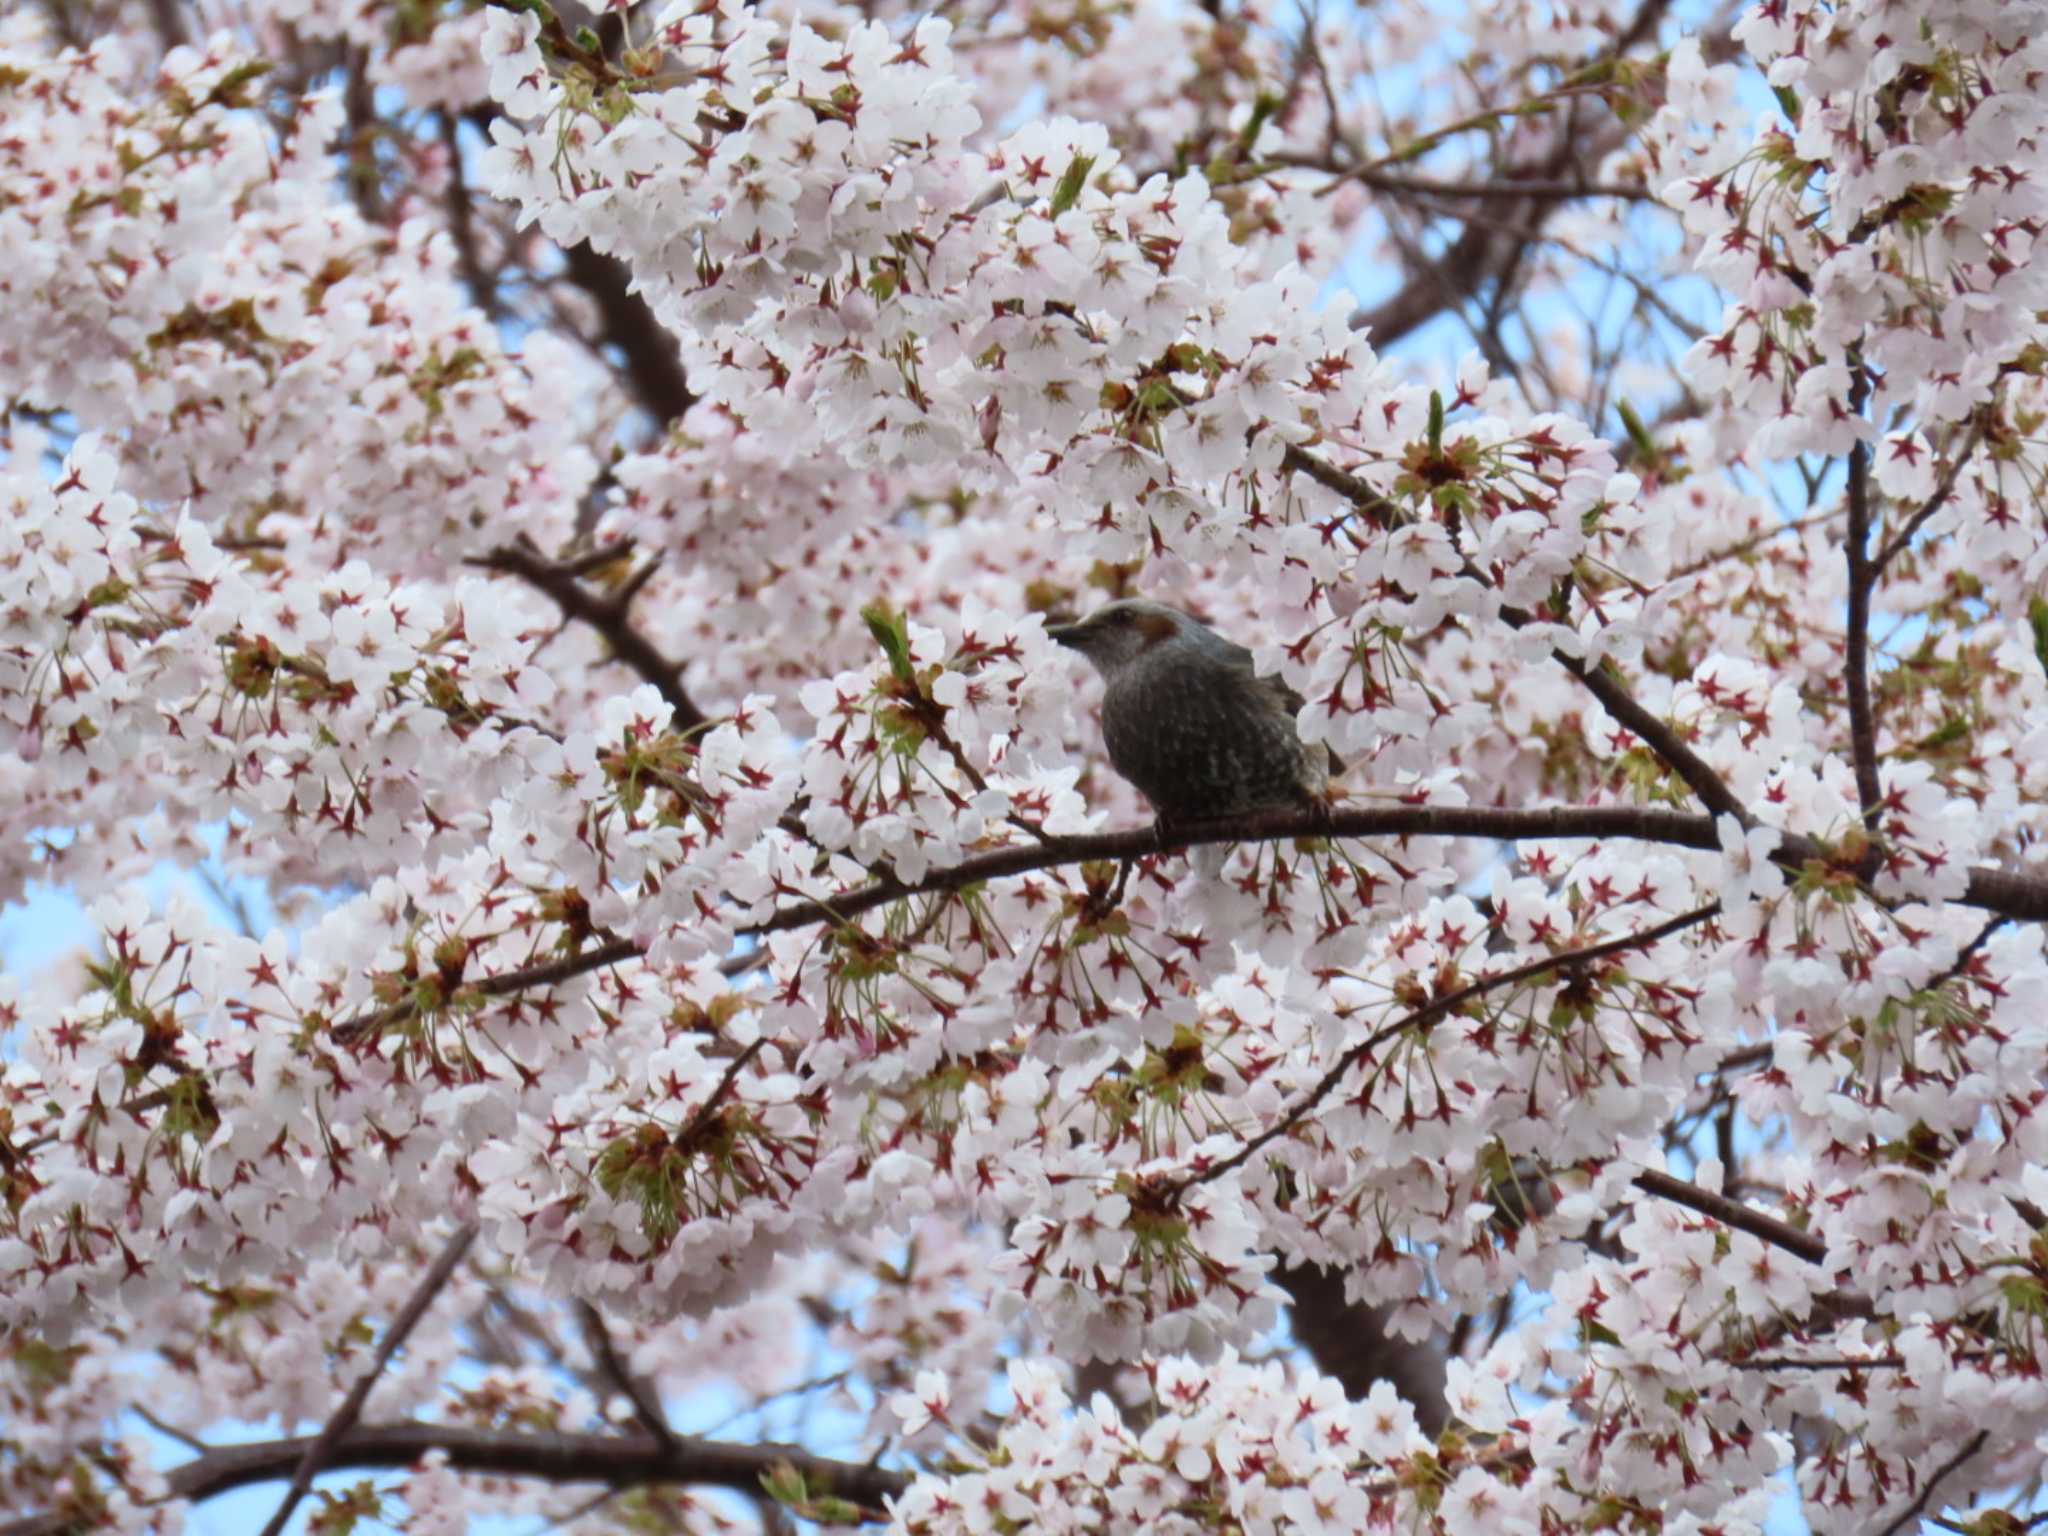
1927,1488
1733,1213
618,1461
1463,268
1755,541
547,974
1382,510
322,1445
1660,737
1279,825
654,364
1425,1017
1353,1342
647,1410
1431,186
1900,541
560,581
482,285
2021,898
1862,578
1848,1363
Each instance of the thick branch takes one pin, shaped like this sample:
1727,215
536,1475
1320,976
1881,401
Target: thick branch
2021,898
1856,660
1596,822
483,287
173,28
654,364
1432,186
616,1461
1352,1342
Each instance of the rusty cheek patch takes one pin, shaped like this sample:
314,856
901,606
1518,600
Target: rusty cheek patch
1155,627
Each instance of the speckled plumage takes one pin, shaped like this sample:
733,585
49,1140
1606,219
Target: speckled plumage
1188,720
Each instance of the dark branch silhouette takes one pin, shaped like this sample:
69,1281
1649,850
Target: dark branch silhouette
607,613
616,1460
1427,1016
1733,1213
1862,579
2022,898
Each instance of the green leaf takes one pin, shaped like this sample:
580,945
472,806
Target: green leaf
892,634
1637,432
1788,101
1068,192
784,1484
232,89
1263,109
1436,424
2037,616
826,1510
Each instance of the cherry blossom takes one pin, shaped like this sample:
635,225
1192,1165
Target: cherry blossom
529,542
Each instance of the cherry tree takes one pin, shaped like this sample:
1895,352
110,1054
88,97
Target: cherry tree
567,505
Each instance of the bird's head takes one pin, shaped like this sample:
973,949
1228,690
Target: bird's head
1118,633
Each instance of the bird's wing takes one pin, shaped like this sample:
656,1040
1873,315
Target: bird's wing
1240,659
1295,705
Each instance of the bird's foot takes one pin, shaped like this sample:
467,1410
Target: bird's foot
1123,877
1163,833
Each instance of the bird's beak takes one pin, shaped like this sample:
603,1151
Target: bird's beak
1063,634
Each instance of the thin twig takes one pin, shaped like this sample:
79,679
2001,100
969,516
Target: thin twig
647,1410
1755,541
695,1125
1897,544
322,1446
1927,1488
190,1442
1425,1017
606,614
1749,1056
1846,1362
1461,270
616,952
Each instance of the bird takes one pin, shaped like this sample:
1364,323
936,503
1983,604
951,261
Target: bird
1188,719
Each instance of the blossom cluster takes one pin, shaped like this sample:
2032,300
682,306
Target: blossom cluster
721,908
